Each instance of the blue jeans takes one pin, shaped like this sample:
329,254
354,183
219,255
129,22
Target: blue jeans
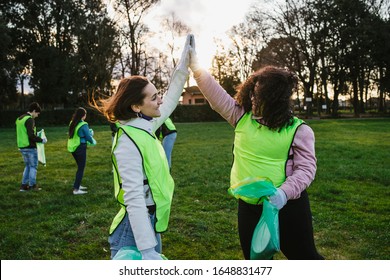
123,236
168,143
30,157
80,156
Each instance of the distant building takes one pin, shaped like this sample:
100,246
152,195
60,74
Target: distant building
193,96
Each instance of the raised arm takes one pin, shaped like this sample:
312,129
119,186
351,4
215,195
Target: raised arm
220,101
176,85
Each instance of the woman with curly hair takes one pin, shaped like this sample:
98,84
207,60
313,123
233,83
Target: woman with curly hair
269,142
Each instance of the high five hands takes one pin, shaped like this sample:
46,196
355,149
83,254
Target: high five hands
194,63
188,56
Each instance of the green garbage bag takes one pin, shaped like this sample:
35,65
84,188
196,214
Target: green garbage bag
130,253
253,190
41,148
265,239
93,144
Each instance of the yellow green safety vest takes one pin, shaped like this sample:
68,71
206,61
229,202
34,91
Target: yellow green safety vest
165,129
261,152
21,132
157,173
75,141
170,124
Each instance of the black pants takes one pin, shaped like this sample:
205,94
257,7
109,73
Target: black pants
80,155
295,226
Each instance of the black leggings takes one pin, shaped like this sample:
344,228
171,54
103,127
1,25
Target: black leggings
295,226
80,155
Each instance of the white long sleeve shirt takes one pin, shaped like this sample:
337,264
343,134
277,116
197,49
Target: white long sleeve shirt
137,196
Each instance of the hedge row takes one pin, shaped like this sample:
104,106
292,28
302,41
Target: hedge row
182,113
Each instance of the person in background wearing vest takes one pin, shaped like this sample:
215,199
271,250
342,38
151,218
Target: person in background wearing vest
26,135
142,181
79,136
269,142
167,134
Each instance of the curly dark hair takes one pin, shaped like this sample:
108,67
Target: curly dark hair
267,93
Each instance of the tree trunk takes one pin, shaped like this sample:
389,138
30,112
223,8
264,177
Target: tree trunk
355,98
361,92
335,104
381,99
308,100
22,97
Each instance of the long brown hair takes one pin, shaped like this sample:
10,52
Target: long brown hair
76,118
118,106
267,93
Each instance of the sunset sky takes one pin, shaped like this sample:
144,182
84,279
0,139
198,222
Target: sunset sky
208,19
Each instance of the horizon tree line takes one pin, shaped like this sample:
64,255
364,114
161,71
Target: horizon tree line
72,50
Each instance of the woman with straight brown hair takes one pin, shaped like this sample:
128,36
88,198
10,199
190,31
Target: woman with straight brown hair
142,181
79,136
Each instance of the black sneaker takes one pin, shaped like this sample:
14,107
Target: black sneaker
24,188
35,188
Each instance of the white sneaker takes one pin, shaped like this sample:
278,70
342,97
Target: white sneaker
83,188
79,192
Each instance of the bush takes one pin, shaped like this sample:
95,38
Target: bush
183,113
195,113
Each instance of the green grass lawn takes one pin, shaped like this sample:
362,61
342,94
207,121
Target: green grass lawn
349,197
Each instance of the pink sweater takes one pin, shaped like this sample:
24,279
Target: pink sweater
301,170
